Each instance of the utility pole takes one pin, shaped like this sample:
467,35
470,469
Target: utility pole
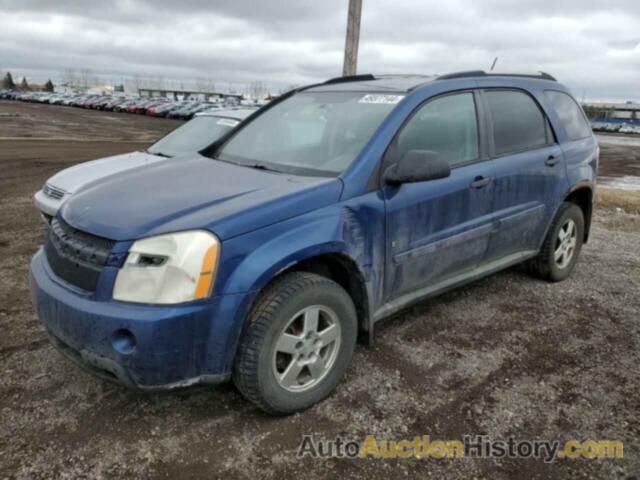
350,65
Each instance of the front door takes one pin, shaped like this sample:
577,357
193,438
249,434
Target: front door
439,228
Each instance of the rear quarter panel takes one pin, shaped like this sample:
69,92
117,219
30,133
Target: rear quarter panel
580,156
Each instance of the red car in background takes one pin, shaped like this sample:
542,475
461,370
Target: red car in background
162,109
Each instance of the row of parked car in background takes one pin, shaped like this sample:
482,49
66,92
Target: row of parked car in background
615,127
155,106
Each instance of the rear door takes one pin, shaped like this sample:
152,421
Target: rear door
529,171
439,228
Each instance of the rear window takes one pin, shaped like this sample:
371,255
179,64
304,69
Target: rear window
518,123
570,114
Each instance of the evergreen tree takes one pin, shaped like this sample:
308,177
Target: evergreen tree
48,87
24,85
8,81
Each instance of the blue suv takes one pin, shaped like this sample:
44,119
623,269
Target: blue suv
264,257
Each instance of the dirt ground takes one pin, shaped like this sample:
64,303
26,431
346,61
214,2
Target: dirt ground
622,168
505,356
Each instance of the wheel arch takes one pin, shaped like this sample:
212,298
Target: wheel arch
345,271
582,196
330,262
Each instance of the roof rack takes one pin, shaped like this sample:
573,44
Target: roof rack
350,78
482,73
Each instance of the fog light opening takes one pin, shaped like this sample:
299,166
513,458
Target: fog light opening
123,341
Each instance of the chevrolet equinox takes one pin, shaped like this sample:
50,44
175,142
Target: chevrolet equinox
265,256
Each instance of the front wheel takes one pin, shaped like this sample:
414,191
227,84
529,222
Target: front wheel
561,248
297,345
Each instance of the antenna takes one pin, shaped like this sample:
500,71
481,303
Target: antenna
493,65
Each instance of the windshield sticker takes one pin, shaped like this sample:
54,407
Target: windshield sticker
380,98
227,122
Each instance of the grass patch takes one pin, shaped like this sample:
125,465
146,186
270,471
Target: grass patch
610,199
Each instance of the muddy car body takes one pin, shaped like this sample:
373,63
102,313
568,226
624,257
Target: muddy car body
332,208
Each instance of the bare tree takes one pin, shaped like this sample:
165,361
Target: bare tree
257,90
205,84
70,77
87,79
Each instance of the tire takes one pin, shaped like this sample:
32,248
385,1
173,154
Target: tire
280,318
546,265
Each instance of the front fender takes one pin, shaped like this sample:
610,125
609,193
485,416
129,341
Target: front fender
354,228
250,261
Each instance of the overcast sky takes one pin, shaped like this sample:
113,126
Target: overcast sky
591,45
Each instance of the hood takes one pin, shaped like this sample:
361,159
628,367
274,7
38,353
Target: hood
74,178
194,193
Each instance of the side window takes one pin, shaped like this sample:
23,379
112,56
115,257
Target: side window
570,114
518,123
447,126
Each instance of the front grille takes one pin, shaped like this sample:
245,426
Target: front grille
53,192
74,256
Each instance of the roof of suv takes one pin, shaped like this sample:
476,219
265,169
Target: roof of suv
405,83
371,83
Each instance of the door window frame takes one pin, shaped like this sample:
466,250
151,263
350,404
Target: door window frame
550,136
483,145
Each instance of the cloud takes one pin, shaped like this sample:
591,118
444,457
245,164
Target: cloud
592,46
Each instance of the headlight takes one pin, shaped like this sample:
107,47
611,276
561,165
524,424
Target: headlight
171,268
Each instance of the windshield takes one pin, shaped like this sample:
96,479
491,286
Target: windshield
315,133
193,136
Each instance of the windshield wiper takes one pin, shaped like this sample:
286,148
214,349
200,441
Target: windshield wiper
260,166
257,166
158,154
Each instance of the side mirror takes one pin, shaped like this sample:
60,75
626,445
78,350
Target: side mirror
417,166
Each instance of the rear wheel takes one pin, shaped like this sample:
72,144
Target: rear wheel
297,344
561,248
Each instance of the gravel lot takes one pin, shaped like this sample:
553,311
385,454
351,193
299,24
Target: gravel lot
506,356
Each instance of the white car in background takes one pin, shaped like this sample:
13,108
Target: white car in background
198,133
629,129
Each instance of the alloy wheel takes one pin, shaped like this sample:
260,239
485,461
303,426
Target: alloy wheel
565,244
307,348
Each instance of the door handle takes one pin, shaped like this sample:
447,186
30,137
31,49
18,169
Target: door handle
480,182
551,161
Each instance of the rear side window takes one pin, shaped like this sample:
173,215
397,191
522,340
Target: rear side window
518,123
447,126
570,114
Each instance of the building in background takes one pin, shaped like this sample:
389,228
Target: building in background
613,112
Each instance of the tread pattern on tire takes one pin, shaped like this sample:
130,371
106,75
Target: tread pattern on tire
539,265
245,372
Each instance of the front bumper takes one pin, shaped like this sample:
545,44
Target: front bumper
166,347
